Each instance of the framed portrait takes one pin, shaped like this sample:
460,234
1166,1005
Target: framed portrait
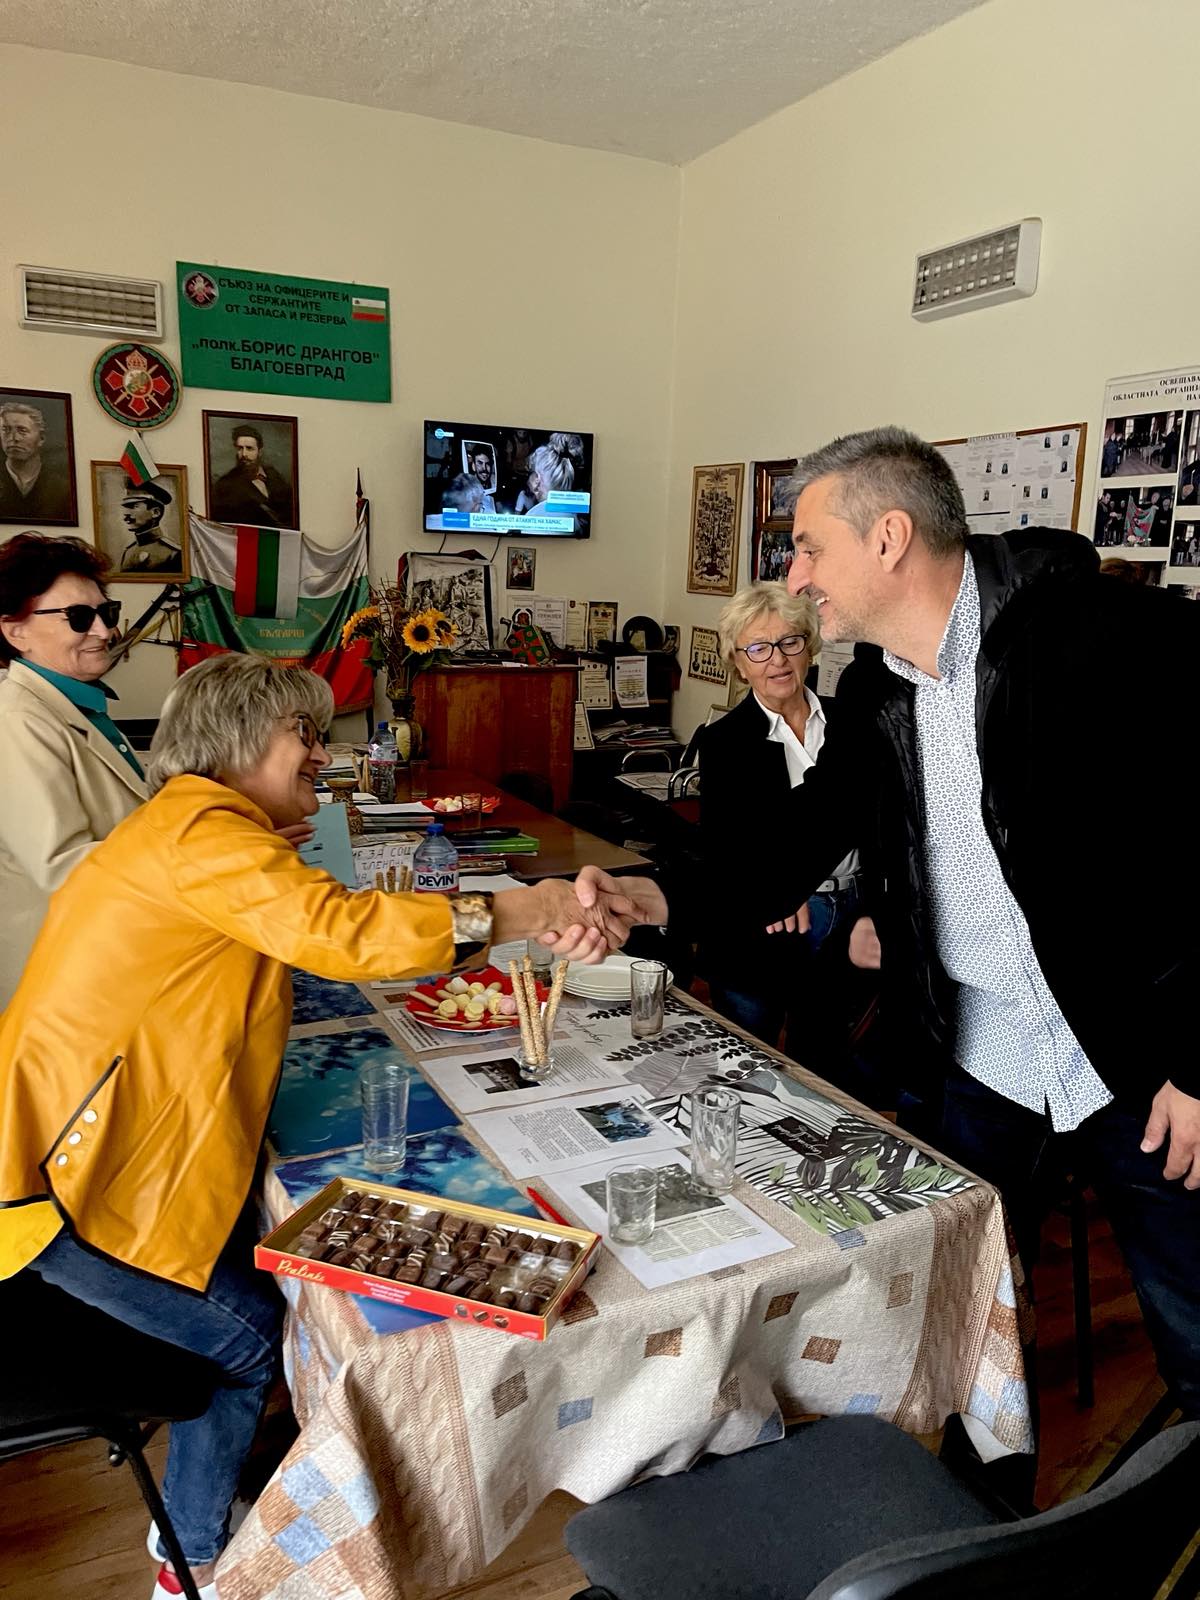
251,469
522,564
715,527
704,657
37,478
771,527
141,529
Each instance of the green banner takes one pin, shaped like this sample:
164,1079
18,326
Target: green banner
276,334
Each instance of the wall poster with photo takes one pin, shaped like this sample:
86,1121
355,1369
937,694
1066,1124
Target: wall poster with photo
251,469
37,479
142,529
1029,478
771,530
1147,520
460,588
715,528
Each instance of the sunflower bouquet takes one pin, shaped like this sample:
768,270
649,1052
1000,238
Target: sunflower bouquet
402,640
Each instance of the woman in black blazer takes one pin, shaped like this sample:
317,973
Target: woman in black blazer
749,760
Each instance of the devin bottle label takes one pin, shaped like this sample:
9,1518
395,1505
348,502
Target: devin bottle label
435,880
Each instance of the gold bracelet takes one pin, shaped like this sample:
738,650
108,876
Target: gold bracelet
472,919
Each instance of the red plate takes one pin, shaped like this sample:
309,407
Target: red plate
489,803
459,1024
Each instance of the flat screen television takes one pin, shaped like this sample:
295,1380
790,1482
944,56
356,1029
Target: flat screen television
536,482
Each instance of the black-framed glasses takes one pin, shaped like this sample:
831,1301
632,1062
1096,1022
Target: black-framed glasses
81,618
760,650
310,734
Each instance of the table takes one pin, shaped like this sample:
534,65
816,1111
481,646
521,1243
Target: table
563,849
423,1452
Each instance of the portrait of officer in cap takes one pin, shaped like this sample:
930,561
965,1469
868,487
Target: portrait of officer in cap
142,512
141,526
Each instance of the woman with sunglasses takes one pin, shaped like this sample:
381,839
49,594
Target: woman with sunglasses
70,775
138,1064
766,979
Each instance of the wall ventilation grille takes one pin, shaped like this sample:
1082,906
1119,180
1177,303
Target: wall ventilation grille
983,271
89,302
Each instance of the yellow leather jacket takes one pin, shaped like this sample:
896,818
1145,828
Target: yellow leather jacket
141,1051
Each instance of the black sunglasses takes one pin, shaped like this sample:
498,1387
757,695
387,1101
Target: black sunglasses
81,618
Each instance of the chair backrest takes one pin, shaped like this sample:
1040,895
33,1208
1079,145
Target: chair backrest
1121,1539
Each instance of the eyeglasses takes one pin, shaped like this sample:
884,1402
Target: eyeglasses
309,733
763,649
81,618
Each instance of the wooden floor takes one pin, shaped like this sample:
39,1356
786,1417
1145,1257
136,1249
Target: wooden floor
72,1528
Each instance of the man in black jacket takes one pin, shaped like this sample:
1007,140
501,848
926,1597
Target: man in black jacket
993,747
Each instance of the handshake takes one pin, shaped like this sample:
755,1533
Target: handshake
582,921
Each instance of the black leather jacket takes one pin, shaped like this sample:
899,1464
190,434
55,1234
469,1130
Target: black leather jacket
1085,722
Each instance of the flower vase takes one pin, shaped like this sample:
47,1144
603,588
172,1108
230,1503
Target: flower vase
405,728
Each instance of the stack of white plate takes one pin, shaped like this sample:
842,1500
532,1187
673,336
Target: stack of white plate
608,981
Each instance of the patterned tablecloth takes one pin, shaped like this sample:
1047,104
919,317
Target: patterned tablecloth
427,1444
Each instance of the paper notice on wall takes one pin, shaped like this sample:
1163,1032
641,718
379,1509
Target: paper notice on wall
564,1134
693,1233
551,617
834,660
595,686
583,728
1018,480
575,634
629,675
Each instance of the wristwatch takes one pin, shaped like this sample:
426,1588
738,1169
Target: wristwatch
471,917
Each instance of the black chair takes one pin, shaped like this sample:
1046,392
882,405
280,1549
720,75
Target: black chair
851,1508
71,1372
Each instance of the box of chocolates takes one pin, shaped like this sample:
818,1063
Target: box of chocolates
488,1267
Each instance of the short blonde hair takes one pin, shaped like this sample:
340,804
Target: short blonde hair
771,600
221,714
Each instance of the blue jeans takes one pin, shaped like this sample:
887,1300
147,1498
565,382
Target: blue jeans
764,1012
235,1324
1155,1223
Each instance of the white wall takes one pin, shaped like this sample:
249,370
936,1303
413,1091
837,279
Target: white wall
531,284
798,239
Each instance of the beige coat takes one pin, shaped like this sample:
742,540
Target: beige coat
62,789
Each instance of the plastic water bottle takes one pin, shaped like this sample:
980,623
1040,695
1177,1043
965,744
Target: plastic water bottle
382,756
435,863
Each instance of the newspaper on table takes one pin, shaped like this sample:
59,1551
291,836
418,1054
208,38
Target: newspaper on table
421,1038
694,1232
491,1081
577,1132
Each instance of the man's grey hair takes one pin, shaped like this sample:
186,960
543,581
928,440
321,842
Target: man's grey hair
795,611
22,409
220,716
889,469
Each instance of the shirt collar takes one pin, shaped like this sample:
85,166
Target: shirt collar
87,696
960,642
775,723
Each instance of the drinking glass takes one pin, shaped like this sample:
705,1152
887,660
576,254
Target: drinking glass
542,960
384,1089
418,769
714,1138
647,995
632,1196
471,818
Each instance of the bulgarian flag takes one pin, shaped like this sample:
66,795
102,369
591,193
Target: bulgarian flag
266,575
363,308
278,593
137,462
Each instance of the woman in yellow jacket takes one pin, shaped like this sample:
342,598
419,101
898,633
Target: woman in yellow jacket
141,1052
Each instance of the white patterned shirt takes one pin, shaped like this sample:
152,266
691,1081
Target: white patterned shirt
1011,1034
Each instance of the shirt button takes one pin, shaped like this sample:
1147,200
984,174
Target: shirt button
89,1115
74,1138
123,749
60,1161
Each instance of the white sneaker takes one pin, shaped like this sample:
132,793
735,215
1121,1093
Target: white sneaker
168,1587
158,1551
